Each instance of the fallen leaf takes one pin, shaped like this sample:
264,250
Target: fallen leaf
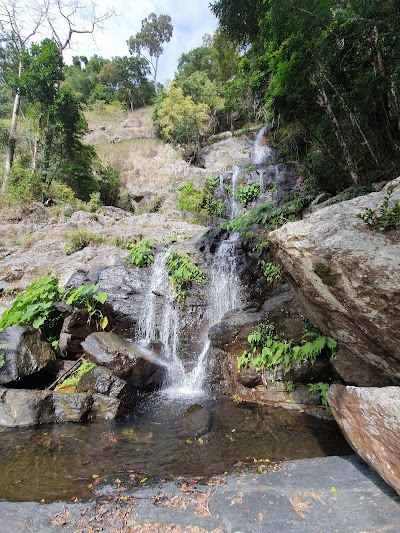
260,517
334,491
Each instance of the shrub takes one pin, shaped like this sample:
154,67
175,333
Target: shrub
190,199
140,254
247,193
79,239
89,297
182,271
271,272
386,216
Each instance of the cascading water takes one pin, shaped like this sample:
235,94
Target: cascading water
262,152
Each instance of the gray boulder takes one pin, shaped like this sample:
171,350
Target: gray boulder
370,420
125,359
24,353
347,277
102,381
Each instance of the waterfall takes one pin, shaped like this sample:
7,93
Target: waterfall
262,152
234,204
225,291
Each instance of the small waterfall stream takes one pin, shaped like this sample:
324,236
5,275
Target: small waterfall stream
262,152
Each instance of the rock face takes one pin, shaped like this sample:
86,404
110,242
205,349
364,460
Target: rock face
125,359
370,421
21,407
347,278
24,353
102,381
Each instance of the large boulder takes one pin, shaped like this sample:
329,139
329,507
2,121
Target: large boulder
347,278
24,353
125,359
370,420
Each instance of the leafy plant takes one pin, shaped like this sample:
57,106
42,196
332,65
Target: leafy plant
140,253
321,389
290,387
212,182
73,380
182,271
247,193
90,297
268,350
386,216
34,306
189,198
271,272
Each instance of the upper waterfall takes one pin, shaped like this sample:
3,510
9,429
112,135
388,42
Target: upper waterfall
263,152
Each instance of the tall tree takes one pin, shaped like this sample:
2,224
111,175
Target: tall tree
57,19
155,31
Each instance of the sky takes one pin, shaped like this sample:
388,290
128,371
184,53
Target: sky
191,19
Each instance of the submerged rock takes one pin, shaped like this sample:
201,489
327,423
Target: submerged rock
24,353
370,420
125,359
195,421
347,278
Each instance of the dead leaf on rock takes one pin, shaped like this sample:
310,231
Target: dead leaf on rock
61,519
238,500
260,517
300,505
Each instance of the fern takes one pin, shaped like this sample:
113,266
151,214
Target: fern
268,351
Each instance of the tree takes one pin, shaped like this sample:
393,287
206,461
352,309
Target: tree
57,19
155,31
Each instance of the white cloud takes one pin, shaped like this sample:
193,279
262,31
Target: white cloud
191,20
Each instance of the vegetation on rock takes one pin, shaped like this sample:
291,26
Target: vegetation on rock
182,271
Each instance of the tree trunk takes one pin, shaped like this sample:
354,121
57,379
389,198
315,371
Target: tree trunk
12,140
155,74
323,101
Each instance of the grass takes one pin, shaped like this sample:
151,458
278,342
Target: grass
79,239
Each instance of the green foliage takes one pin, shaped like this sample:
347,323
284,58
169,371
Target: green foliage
140,254
321,389
182,271
212,182
89,297
268,350
155,31
271,272
180,120
200,201
290,387
190,199
386,216
268,215
248,193
73,380
34,306
79,239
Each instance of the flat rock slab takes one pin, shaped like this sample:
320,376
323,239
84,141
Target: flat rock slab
331,494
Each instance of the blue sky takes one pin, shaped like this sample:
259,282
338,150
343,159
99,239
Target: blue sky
191,20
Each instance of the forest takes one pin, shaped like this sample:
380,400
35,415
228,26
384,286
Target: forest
324,74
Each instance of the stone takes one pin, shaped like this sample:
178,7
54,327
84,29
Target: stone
20,407
105,407
354,371
249,377
102,381
71,407
346,277
195,421
125,359
370,420
24,353
74,331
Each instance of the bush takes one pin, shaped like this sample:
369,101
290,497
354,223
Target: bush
140,253
190,199
79,239
182,271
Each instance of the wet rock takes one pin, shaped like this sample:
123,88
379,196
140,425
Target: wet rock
249,377
74,331
102,381
106,407
20,407
195,421
224,154
353,370
125,359
24,353
370,421
70,407
231,333
346,276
